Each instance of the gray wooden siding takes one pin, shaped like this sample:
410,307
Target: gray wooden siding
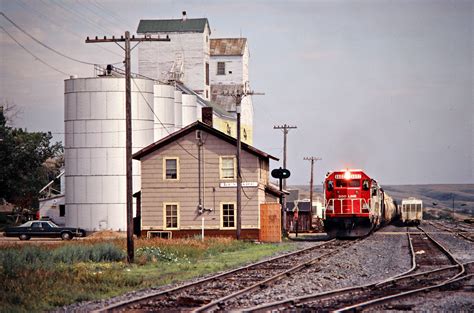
156,191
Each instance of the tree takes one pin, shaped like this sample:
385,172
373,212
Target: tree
22,157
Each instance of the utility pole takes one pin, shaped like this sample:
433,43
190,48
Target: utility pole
128,126
285,129
312,160
238,95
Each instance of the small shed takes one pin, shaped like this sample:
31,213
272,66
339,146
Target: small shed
304,215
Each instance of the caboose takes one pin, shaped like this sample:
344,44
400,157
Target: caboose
355,204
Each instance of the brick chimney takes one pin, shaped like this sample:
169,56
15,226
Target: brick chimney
207,116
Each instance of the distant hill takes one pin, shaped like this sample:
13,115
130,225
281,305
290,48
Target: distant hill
441,194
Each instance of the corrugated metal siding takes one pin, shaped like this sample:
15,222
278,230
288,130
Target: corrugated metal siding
228,46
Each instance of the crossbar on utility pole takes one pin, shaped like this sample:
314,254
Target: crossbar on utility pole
128,126
312,159
238,94
285,129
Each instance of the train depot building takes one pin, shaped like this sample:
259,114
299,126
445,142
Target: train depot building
188,182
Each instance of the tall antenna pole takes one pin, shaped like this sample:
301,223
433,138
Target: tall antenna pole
285,129
312,160
128,128
238,95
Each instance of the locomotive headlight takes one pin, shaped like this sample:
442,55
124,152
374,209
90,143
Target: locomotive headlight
347,175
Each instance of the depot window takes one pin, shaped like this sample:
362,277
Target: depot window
342,183
171,215
228,215
62,210
220,68
170,168
227,167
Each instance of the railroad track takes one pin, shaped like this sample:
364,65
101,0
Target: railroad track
464,233
433,266
211,293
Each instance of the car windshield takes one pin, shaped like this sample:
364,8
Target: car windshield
27,224
52,224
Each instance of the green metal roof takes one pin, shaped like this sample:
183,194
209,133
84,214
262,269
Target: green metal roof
172,26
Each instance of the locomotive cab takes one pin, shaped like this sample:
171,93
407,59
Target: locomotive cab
354,204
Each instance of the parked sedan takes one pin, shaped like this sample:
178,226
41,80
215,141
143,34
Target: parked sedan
43,229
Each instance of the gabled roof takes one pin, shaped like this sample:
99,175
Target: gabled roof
228,46
192,25
303,206
192,127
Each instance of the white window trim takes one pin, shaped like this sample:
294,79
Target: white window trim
177,214
221,225
177,168
221,175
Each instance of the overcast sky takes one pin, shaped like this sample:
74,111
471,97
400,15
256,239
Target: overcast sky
385,86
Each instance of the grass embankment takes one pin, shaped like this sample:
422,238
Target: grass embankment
38,278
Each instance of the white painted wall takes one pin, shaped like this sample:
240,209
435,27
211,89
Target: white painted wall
237,64
155,59
50,208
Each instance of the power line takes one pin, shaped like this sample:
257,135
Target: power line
312,159
81,17
45,17
162,124
33,55
285,129
109,13
45,45
103,17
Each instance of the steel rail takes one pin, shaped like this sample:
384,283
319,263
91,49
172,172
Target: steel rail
447,253
123,304
283,304
413,263
397,278
452,230
380,300
217,303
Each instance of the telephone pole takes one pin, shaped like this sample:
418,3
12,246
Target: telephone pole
128,125
238,95
312,159
285,129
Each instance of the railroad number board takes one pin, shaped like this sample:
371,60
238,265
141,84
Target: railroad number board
352,176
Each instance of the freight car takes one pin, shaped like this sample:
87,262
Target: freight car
411,211
355,204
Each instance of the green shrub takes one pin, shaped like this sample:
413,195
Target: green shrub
154,254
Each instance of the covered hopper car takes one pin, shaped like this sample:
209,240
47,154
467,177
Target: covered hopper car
411,211
355,204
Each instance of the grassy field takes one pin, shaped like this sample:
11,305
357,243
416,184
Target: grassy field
39,278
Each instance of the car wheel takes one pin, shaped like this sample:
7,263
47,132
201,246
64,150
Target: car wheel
24,237
66,236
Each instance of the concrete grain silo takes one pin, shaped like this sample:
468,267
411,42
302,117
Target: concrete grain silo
95,148
178,110
164,107
189,103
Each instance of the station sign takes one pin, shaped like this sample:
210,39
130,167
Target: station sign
234,184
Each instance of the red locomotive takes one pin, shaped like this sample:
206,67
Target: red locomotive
355,204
